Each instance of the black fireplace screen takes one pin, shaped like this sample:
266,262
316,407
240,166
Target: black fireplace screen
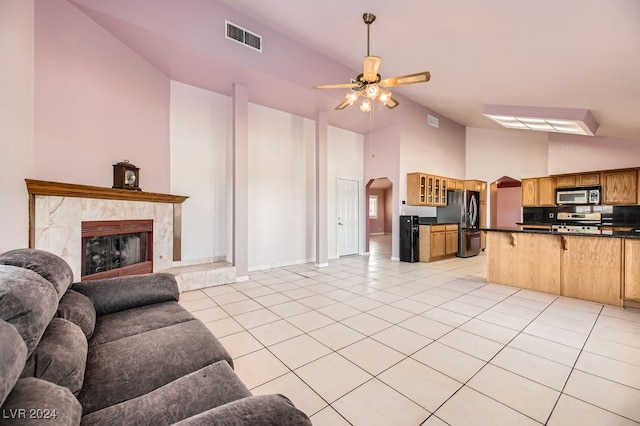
108,252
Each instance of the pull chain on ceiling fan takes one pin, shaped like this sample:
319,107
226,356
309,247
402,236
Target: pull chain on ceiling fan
369,84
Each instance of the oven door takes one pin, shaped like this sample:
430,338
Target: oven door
572,197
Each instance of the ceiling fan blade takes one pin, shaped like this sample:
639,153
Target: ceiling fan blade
420,77
338,86
371,65
391,103
343,105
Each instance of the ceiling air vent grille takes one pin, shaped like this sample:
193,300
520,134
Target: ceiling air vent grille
239,34
433,121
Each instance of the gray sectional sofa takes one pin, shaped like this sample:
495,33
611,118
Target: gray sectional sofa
116,351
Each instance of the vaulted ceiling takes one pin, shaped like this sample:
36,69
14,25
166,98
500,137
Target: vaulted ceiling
549,53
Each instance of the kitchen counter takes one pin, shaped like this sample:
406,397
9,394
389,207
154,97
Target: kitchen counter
602,268
607,234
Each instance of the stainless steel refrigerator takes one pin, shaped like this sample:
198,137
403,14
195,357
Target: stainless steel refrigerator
463,208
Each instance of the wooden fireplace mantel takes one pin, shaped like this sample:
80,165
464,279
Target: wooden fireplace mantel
56,189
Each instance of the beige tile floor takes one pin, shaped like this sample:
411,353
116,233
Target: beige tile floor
368,341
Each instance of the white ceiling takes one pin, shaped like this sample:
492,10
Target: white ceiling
548,53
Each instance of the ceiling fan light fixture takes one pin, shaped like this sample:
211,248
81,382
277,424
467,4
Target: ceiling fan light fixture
384,96
365,106
372,91
351,97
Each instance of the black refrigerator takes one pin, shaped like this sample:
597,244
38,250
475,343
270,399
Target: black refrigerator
409,239
463,208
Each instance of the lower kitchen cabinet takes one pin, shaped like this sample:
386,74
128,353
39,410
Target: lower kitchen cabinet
438,242
582,267
517,259
451,239
632,270
592,268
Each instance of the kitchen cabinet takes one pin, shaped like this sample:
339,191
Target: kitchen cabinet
576,180
591,268
473,185
426,190
582,267
516,259
631,270
588,179
451,239
529,192
438,242
538,192
456,185
620,187
546,192
566,181
417,189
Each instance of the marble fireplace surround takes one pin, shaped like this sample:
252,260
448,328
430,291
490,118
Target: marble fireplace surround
56,211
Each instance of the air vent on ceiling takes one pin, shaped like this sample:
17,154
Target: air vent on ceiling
239,34
433,121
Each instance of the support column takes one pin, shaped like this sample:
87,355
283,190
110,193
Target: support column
241,181
321,189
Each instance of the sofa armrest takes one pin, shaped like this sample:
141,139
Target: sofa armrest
133,291
252,410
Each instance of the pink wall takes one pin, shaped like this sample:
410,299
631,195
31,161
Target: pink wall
508,209
16,119
376,226
96,103
571,153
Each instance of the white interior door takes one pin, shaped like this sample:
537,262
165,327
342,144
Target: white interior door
348,201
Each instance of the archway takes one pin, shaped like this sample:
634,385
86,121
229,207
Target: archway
379,212
505,201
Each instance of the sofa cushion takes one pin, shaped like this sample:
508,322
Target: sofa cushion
49,266
78,309
13,354
132,291
27,301
60,357
209,387
35,401
127,368
127,323
254,410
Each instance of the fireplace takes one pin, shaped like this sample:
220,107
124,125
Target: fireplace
116,248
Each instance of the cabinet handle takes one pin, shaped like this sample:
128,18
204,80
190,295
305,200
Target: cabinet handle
513,240
563,241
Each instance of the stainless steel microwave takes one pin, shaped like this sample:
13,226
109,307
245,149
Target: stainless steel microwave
578,196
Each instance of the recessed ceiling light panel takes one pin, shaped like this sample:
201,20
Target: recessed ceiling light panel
562,120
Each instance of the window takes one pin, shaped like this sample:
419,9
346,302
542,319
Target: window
373,206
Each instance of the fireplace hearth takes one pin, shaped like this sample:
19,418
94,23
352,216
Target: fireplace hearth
116,248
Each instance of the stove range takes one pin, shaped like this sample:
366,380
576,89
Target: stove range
576,229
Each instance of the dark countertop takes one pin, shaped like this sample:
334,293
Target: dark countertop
614,234
534,223
439,223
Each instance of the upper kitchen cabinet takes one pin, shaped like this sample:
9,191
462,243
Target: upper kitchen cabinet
577,180
417,189
473,185
538,192
426,190
620,187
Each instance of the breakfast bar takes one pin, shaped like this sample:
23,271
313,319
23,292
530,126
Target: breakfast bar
603,268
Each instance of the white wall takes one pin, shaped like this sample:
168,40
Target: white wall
281,188
200,131
345,152
16,119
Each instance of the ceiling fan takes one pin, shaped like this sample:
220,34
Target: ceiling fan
370,85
